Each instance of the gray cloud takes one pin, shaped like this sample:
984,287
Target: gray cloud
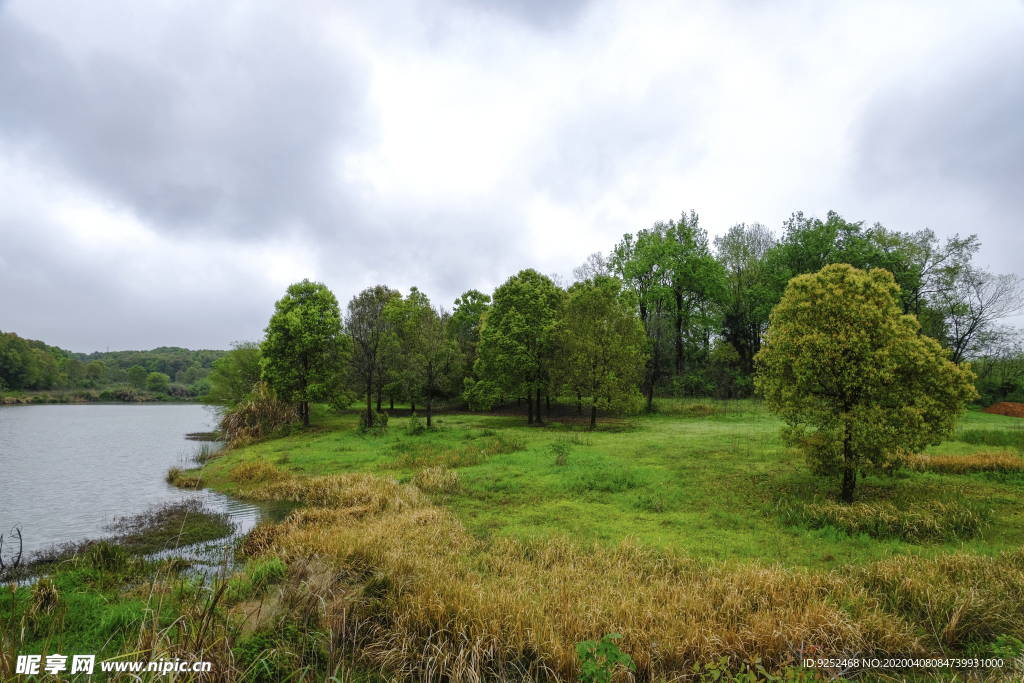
240,140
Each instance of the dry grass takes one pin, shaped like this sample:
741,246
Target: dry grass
255,471
256,418
437,480
933,521
965,464
444,605
358,490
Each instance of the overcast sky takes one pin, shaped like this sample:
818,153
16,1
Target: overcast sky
168,168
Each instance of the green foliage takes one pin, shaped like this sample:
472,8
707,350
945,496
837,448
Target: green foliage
304,353
599,659
415,426
265,573
601,345
234,374
852,379
157,382
28,364
374,341
137,376
516,335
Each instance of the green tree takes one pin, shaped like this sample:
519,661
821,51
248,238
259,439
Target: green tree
854,381
95,370
235,374
304,353
372,334
749,298
431,358
158,382
137,376
601,351
516,340
641,262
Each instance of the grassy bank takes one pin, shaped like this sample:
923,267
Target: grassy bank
693,532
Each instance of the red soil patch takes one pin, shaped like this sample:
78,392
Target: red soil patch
1008,409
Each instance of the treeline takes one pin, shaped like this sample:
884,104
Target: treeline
666,312
27,365
705,306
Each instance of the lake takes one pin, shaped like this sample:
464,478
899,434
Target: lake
68,470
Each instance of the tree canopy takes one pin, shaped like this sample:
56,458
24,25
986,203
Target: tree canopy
856,384
304,352
516,339
601,345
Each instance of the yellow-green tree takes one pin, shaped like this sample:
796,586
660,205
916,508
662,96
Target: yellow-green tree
854,381
601,344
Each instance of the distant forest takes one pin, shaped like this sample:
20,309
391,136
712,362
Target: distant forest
28,364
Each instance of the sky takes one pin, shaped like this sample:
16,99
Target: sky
167,169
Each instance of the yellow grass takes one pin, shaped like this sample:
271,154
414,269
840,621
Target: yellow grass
443,604
965,464
437,480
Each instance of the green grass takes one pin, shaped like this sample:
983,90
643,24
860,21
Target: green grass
705,477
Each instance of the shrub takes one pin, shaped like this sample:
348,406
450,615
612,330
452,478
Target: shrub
416,425
598,659
257,417
378,427
126,394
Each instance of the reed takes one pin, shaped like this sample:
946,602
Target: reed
256,418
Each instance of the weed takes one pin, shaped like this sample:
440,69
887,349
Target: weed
160,527
416,426
932,521
1004,463
437,480
255,471
599,659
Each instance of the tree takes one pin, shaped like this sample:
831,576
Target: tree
601,345
235,374
371,333
516,337
972,305
748,295
158,382
95,370
465,324
304,353
855,383
431,353
137,376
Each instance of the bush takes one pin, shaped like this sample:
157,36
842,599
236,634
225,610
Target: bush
377,424
126,394
256,418
416,425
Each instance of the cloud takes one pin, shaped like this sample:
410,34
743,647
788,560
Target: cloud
234,131
166,169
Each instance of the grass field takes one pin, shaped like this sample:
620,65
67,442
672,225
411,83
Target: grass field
712,479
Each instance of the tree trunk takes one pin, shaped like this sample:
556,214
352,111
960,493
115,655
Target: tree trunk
547,402
378,402
369,403
539,420
517,402
412,402
430,405
593,417
579,402
679,333
529,407
849,469
392,402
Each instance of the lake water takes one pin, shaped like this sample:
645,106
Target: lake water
68,470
